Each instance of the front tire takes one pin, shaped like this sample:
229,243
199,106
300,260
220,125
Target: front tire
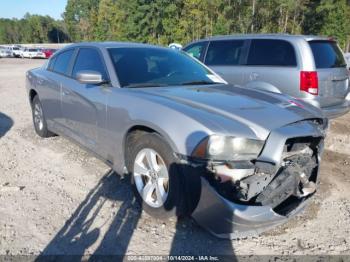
39,120
155,176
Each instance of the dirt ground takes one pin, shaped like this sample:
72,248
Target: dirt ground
57,199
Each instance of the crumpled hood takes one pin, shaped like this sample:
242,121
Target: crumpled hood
259,110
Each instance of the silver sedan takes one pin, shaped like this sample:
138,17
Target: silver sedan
239,161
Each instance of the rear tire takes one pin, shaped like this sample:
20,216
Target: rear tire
39,120
156,177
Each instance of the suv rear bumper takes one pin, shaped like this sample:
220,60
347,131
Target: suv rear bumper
336,111
332,111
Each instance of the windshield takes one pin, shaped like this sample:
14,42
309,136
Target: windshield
33,50
327,54
147,66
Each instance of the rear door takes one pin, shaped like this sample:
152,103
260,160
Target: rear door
84,105
225,57
333,76
272,65
56,74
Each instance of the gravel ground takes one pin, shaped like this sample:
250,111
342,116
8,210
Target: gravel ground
57,199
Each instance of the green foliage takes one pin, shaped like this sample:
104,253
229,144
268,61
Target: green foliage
336,19
165,21
32,29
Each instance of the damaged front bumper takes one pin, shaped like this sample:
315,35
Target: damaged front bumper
284,177
226,219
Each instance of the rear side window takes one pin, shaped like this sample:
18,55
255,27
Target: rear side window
224,52
327,54
62,62
268,52
195,50
89,59
51,63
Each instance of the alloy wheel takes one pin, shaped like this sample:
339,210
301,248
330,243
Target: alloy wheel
151,177
38,116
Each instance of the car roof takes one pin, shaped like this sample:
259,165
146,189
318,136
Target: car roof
106,45
264,36
113,45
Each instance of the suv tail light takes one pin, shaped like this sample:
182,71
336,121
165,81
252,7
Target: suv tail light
309,82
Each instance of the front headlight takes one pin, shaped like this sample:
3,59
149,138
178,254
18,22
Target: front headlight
226,148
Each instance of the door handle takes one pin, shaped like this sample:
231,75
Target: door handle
253,76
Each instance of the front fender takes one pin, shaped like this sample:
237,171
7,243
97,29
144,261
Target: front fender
181,132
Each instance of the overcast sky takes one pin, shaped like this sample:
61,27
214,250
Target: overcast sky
18,8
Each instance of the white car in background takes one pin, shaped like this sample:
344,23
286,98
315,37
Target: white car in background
4,52
32,53
15,50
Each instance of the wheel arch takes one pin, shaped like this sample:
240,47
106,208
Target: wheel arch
32,94
140,129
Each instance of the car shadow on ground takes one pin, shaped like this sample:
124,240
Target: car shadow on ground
5,124
80,236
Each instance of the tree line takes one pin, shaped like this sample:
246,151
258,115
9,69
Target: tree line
32,29
165,21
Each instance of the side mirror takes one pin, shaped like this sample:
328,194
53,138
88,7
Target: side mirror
90,77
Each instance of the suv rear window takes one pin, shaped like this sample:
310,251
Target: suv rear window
226,52
327,54
268,52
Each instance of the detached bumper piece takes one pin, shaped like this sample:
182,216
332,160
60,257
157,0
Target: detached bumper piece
274,192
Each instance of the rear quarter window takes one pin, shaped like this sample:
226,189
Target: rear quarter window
327,54
269,52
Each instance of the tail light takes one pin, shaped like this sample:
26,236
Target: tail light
309,82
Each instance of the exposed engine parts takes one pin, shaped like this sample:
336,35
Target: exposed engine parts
256,184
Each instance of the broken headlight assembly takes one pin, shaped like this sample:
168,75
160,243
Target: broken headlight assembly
224,148
229,160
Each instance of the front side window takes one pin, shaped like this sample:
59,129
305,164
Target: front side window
269,52
146,66
62,62
226,52
195,50
89,59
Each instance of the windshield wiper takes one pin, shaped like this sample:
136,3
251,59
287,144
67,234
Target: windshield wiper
144,85
199,83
